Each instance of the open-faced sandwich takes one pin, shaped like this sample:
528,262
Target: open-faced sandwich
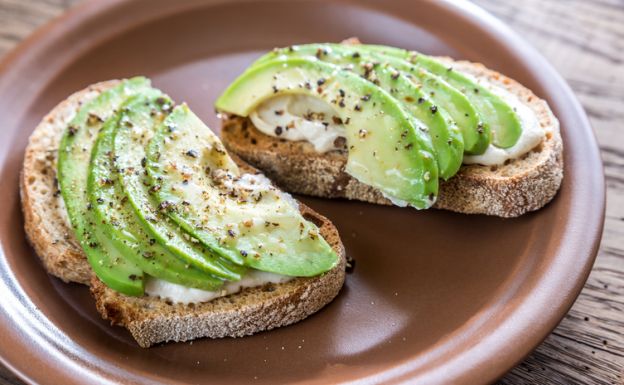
126,192
386,125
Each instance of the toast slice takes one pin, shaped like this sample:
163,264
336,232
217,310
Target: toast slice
508,190
151,320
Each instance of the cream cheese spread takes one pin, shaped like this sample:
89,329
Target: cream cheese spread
181,294
301,117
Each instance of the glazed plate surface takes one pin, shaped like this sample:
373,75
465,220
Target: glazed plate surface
435,296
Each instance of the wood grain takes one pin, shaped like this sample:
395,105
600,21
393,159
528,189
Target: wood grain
584,40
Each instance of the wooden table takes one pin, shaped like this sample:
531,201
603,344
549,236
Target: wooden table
584,39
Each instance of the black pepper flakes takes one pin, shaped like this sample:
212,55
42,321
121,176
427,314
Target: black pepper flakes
421,100
72,130
366,97
340,142
278,130
358,107
166,206
93,119
321,81
433,109
191,153
350,265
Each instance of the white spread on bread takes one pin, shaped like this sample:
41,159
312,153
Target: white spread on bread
532,132
300,117
181,294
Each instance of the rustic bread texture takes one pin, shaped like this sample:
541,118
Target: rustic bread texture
45,218
508,190
152,320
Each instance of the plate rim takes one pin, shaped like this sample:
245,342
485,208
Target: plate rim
49,34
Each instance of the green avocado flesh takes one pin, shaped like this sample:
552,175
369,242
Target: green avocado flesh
118,220
496,114
429,92
233,214
128,233
73,169
138,122
388,149
445,135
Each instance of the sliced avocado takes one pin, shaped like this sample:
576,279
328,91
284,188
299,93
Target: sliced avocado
446,137
233,214
116,218
73,166
433,90
494,111
138,121
386,149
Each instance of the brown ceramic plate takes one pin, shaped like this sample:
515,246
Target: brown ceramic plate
435,296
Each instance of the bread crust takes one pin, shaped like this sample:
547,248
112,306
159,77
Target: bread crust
153,320
509,190
45,219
